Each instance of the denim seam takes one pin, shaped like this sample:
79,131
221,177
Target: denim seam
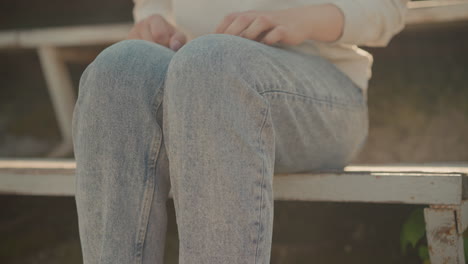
319,100
261,182
149,191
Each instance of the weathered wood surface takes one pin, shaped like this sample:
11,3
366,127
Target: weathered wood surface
462,217
421,12
365,186
358,183
444,241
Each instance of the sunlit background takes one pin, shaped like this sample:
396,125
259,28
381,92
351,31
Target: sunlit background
418,101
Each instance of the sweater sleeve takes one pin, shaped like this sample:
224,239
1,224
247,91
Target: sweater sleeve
145,8
371,22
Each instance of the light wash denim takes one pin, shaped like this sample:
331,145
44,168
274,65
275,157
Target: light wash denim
213,121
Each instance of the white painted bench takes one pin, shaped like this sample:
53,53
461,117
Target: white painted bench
443,187
58,45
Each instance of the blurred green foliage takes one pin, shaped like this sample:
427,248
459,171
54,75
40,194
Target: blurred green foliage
413,236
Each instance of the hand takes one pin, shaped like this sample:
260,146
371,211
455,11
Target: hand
267,27
289,26
156,29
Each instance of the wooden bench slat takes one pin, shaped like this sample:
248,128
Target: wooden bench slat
457,167
9,163
65,36
424,167
381,187
53,177
429,184
8,38
74,36
30,184
422,12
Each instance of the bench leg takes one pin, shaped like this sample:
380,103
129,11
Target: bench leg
62,95
445,240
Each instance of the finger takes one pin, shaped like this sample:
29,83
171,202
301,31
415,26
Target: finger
145,34
239,24
274,36
259,25
132,34
227,20
160,32
177,40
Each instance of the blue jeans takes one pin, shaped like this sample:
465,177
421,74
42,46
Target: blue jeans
213,122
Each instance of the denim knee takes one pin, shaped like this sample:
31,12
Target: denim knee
130,70
226,52
220,57
119,93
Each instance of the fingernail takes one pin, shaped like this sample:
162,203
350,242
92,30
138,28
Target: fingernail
175,45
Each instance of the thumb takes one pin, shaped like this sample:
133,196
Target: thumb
177,41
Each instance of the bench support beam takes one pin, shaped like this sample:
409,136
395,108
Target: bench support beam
62,95
444,236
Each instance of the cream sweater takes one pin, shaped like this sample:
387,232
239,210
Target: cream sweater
367,22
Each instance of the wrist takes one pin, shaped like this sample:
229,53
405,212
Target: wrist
323,23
